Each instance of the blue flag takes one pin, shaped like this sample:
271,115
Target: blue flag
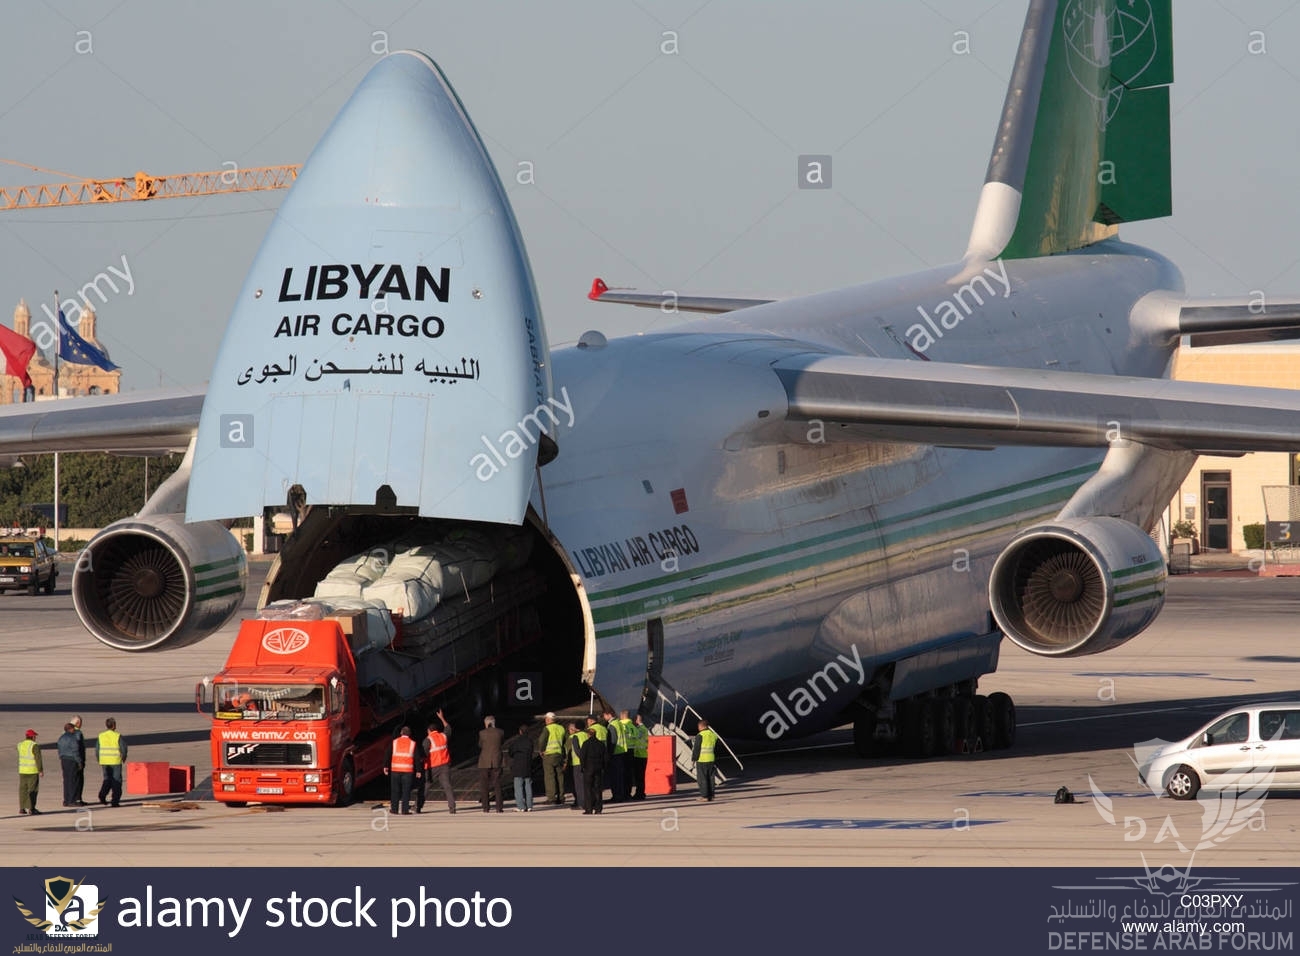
73,348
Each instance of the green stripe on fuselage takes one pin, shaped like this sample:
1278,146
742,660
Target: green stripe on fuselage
888,534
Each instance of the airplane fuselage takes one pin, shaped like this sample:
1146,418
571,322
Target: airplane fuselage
784,563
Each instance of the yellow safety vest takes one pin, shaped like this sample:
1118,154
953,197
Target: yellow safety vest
625,732
110,749
554,739
580,738
27,757
641,743
708,740
601,732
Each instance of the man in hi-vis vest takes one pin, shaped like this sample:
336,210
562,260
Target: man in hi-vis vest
551,744
702,752
30,771
437,761
110,751
401,772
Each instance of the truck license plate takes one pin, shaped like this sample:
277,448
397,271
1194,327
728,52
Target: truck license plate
6,580
270,789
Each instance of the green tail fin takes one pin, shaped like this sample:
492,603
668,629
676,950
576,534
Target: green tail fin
1083,143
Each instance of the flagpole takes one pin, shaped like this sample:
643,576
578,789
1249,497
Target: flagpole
58,342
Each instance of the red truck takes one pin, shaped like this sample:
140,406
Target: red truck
305,710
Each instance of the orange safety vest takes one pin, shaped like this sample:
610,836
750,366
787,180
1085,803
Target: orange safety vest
403,755
439,756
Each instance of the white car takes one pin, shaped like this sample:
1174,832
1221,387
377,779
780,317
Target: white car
1250,746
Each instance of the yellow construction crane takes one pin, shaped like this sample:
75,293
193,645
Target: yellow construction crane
142,186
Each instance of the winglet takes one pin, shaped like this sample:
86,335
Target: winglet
598,288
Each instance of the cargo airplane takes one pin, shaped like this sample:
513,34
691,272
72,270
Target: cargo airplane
835,508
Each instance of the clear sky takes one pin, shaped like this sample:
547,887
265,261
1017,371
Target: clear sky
663,136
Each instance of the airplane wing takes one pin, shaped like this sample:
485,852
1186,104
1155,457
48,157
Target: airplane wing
670,301
983,406
153,422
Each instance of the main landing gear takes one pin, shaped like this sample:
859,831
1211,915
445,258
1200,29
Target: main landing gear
928,726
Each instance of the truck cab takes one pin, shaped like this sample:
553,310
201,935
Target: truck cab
285,716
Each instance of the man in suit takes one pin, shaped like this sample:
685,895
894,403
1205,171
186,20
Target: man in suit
593,756
490,741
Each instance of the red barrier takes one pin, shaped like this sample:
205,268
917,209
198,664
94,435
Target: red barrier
146,777
661,766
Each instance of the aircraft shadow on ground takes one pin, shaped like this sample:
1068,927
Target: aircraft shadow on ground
1043,731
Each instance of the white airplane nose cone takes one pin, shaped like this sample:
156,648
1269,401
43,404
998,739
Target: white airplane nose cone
388,332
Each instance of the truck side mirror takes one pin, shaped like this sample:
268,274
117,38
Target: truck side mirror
1207,738
201,693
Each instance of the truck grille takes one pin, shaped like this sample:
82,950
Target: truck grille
263,754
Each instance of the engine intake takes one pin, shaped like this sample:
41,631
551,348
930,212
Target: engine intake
1077,586
143,583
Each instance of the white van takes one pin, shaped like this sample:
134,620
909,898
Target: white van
1252,746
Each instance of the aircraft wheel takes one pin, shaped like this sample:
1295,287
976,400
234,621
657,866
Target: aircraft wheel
1004,720
1183,783
864,735
945,724
982,714
963,725
920,729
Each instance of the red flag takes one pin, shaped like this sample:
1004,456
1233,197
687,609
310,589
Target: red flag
18,351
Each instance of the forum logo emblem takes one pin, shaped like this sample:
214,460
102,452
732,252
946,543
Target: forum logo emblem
71,908
285,640
1236,805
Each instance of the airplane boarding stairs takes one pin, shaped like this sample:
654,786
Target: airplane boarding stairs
673,708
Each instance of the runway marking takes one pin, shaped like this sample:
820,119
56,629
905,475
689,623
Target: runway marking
1204,674
1126,713
1050,793
832,824
1212,705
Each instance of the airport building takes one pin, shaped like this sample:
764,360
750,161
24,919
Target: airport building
1222,495
74,379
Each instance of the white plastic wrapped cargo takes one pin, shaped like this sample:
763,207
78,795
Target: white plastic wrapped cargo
348,578
412,585
380,631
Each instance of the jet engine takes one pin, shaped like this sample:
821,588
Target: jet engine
144,583
1077,586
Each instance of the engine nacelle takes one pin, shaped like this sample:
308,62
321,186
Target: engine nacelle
144,583
1077,586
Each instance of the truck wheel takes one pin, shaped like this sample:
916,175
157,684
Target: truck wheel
345,785
49,585
34,587
236,804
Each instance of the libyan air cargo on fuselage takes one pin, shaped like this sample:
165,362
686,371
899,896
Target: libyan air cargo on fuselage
834,508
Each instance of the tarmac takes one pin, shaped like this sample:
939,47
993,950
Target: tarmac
1227,635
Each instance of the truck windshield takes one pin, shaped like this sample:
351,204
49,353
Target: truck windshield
238,701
